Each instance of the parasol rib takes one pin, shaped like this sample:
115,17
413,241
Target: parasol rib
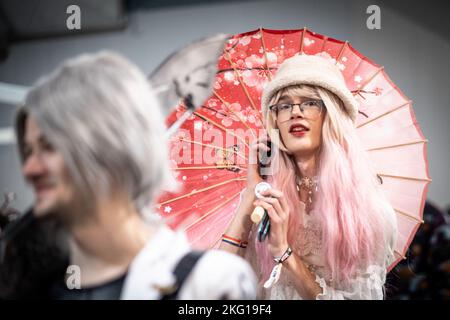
358,65
302,39
243,69
404,177
385,113
212,211
229,109
202,190
361,91
398,145
269,75
365,83
209,167
221,127
399,254
214,110
325,40
341,52
182,212
228,58
409,215
215,243
213,147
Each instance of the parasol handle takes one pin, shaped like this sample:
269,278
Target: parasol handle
190,108
175,126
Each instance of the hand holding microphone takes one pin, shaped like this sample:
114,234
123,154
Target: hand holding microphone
259,214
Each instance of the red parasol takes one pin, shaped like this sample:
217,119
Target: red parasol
209,152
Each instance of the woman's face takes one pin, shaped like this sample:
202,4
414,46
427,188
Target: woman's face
45,170
300,124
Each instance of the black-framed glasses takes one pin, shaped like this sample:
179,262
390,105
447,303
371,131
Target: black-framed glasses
311,109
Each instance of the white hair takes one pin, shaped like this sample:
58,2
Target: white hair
99,111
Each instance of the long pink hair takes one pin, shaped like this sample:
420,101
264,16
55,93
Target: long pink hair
350,204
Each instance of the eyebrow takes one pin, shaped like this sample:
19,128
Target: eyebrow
284,97
41,140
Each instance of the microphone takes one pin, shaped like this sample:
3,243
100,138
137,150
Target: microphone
259,214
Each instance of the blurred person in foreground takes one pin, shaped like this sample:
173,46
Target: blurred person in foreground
91,140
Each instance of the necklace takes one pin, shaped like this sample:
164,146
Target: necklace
310,185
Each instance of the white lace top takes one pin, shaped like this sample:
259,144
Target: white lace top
367,285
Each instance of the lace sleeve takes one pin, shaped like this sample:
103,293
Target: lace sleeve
369,283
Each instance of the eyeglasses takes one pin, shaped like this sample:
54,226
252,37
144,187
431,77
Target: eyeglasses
311,109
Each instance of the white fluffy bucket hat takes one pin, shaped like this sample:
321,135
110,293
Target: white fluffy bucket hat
311,70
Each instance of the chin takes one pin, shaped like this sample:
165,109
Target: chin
300,148
46,207
42,210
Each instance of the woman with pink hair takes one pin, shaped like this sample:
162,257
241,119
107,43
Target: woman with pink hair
332,231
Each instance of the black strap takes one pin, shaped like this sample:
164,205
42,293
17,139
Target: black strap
182,271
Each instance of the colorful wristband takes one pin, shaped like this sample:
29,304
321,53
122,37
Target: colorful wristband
235,242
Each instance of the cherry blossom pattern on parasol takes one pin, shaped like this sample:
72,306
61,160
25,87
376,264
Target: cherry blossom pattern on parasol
210,151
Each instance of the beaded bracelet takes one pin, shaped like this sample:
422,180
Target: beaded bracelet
234,242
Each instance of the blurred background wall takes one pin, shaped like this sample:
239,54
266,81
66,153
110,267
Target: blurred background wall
413,45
